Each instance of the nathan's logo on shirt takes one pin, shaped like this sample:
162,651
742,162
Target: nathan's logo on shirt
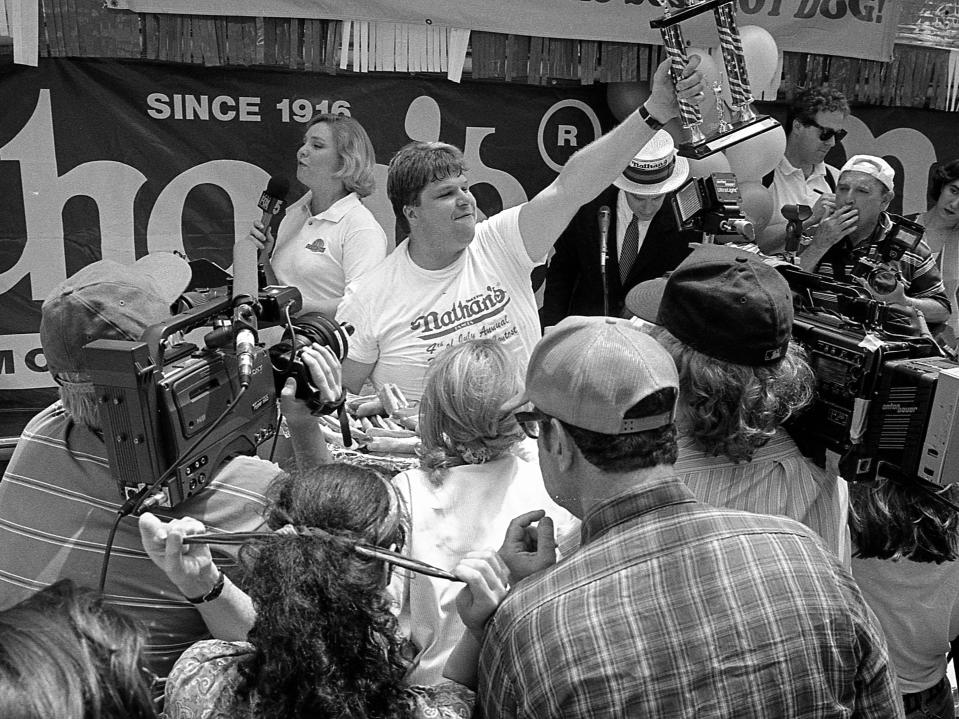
462,314
318,245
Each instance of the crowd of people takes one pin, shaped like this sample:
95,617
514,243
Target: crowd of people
609,517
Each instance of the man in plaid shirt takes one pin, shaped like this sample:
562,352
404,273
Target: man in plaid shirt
670,607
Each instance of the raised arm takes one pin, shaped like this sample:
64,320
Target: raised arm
592,169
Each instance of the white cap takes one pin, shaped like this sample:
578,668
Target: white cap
874,167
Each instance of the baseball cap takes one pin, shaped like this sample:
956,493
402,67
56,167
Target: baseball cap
108,300
873,166
591,371
656,169
722,301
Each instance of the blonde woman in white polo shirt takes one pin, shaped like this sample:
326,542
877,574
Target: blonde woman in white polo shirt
328,237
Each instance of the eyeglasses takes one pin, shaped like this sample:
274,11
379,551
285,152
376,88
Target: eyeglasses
826,133
529,421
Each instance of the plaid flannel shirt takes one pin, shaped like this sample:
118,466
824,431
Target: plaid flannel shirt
675,608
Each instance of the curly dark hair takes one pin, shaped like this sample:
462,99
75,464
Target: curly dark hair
897,520
734,409
810,102
325,640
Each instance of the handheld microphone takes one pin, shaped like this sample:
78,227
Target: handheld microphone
273,198
603,234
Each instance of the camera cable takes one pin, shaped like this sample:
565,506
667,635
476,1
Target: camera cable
149,496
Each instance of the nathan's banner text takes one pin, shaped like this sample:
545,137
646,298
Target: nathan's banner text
851,28
115,160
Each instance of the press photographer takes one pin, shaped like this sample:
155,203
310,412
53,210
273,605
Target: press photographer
59,497
854,229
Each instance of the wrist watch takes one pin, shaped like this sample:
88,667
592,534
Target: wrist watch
649,119
212,594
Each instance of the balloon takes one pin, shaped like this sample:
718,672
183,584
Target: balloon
709,165
753,158
624,97
762,57
757,204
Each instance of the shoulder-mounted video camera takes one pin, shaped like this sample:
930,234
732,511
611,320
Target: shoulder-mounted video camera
887,404
711,205
162,399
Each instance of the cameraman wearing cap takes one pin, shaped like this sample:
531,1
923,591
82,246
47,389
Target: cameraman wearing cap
642,238
670,607
58,498
855,226
725,317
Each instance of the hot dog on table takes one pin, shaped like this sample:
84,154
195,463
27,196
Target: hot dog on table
383,423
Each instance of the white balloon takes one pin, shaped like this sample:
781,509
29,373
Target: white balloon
762,57
757,204
753,158
708,165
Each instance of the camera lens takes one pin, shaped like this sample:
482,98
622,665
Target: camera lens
309,328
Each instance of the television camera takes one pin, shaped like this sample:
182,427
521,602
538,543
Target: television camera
886,403
711,205
172,413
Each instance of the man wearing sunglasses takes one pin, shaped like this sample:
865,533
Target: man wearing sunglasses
814,125
670,607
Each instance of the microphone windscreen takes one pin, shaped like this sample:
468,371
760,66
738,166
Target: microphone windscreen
278,186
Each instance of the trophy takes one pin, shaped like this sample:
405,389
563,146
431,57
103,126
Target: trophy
745,123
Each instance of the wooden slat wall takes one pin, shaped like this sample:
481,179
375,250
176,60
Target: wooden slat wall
916,77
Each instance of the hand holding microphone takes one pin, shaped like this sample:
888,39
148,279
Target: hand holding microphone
271,202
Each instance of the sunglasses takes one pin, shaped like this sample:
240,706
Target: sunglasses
826,133
529,421
364,550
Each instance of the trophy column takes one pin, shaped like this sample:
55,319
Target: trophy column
746,123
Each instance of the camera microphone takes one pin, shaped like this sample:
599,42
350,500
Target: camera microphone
246,281
603,234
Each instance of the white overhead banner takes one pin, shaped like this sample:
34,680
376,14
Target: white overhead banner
851,28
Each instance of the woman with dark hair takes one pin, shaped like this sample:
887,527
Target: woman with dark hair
905,547
323,642
64,654
476,475
941,221
328,237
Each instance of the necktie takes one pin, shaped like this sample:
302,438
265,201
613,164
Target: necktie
630,247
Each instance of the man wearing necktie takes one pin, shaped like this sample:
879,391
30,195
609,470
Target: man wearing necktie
643,241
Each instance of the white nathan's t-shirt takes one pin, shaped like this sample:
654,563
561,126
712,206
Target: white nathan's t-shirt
404,316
